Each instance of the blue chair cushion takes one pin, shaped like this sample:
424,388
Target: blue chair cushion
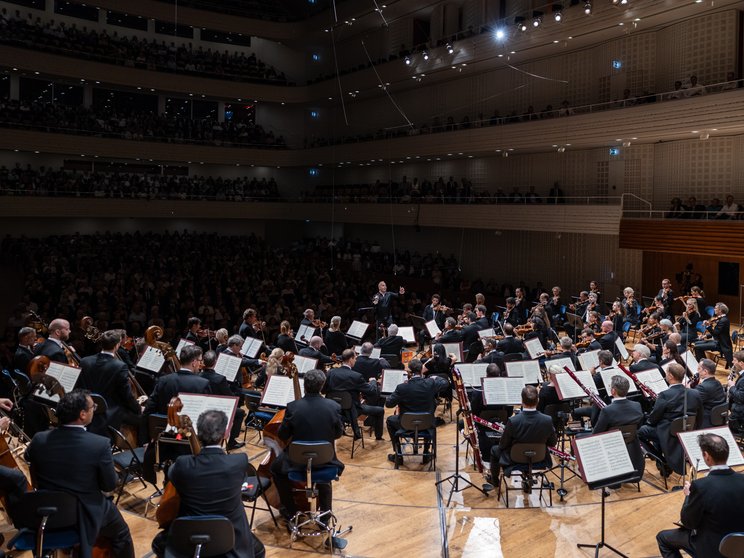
626,327
319,475
26,539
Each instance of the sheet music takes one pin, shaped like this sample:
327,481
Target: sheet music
502,391
534,347
406,332
472,373
527,369
560,362
456,349
195,404
607,379
376,351
432,328
690,361
304,333
279,391
392,378
152,359
67,377
567,388
602,456
621,347
489,332
357,329
304,364
590,359
181,344
227,366
251,346
695,455
652,379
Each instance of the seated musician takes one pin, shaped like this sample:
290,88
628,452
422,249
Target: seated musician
250,326
567,350
335,339
655,341
491,355
344,378
587,341
670,353
434,311
285,340
417,395
486,437
73,460
440,364
25,350
210,484
548,394
393,343
593,321
617,317
234,347
368,366
699,296
313,351
540,325
221,336
591,411
308,319
512,315
608,338
312,418
632,307
509,344
641,359
720,328
450,333
193,326
711,390
530,426
735,386
688,321
59,333
219,385
186,380
670,404
554,307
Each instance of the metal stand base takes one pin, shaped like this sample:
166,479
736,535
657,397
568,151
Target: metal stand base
602,544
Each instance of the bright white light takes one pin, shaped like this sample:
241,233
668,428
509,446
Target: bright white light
500,34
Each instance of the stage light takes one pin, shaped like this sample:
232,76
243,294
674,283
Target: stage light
588,8
408,60
450,49
536,18
500,34
521,25
536,22
426,55
558,16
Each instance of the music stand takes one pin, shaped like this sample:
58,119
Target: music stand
575,321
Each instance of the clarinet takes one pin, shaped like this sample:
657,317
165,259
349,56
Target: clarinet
468,418
647,391
498,427
596,399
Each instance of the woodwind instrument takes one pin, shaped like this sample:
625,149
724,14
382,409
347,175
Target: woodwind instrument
498,427
593,397
647,391
468,427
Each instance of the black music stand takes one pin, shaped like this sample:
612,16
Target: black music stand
575,321
455,478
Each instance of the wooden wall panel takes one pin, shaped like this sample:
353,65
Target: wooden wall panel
680,236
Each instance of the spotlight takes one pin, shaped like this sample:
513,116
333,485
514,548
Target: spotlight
536,22
500,34
558,16
426,55
521,25
408,60
557,11
588,8
450,49
536,18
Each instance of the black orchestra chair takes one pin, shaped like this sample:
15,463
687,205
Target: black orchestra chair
98,424
348,413
200,536
257,418
255,487
46,521
128,462
394,361
315,457
523,459
732,545
630,435
418,430
513,357
719,415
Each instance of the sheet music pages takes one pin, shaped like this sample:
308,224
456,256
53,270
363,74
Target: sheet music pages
621,347
534,347
376,351
472,373
432,328
690,361
304,364
228,366
67,377
602,456
357,329
406,332
152,359
560,362
566,387
455,348
502,391
652,379
304,333
607,379
527,369
489,332
694,453
589,359
181,344
278,391
392,378
251,346
195,404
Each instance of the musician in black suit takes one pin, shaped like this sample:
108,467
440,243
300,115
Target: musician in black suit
608,338
382,302
417,395
567,351
185,380
509,344
666,294
393,343
712,506
72,460
512,314
210,484
313,351
529,427
736,391
487,437
521,306
721,333
670,404
622,412
450,333
285,340
711,390
59,333
250,326
108,376
366,365
344,378
491,355
311,418
434,311
219,385
641,362
25,350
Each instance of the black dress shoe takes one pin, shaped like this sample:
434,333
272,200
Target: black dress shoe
398,460
234,444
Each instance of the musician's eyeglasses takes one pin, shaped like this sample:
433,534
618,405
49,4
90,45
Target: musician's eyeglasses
93,408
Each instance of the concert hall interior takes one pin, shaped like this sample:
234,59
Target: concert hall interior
497,194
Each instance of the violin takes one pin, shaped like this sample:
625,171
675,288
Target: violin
319,324
205,333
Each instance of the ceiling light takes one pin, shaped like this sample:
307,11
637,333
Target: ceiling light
408,60
426,55
558,16
588,8
450,49
500,33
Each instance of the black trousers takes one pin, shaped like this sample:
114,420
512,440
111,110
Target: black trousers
671,541
115,529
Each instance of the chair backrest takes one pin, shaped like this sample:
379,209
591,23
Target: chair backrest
253,401
155,425
120,441
700,326
23,381
343,398
394,361
710,310
417,421
732,545
629,432
528,453
494,415
301,451
215,533
100,402
678,425
553,411
513,357
59,507
719,415
626,327
495,317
